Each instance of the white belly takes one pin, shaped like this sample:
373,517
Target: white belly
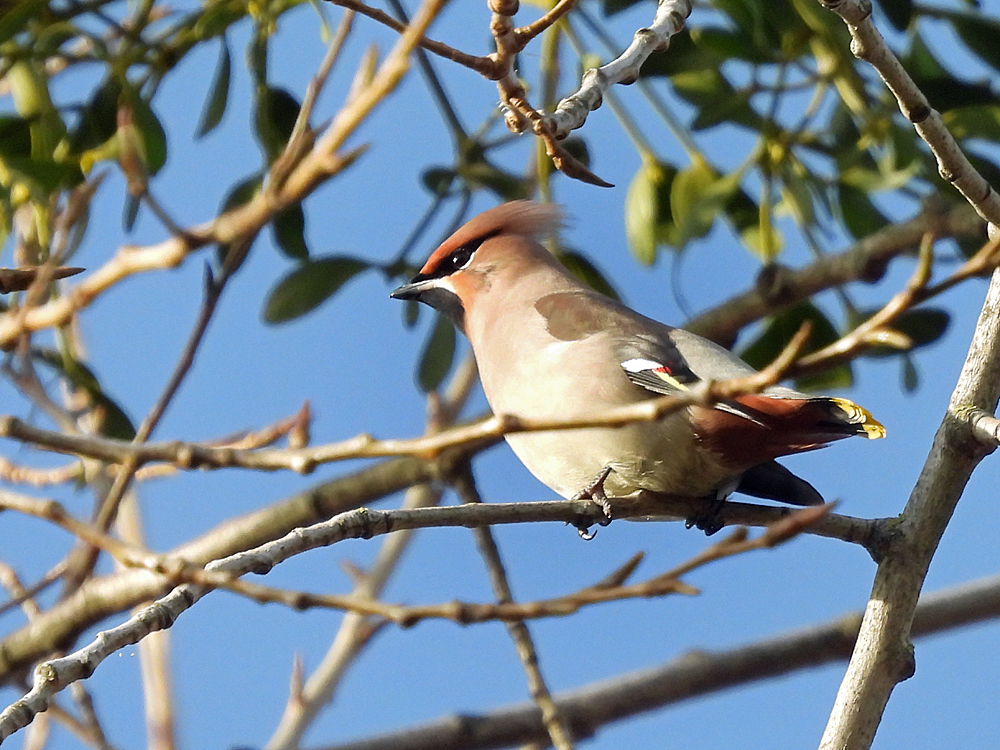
660,457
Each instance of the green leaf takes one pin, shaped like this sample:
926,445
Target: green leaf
275,115
45,176
899,12
130,212
697,197
154,139
736,44
239,194
289,227
116,422
479,172
309,285
587,272
15,136
411,312
616,6
922,325
98,119
647,207
576,147
909,378
437,356
215,105
716,99
242,192
15,17
778,331
683,55
438,180
978,121
980,35
860,215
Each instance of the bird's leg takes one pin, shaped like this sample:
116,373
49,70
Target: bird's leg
595,491
708,519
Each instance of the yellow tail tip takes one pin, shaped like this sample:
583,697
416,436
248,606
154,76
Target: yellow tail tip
860,416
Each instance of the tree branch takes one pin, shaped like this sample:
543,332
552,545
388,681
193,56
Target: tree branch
883,656
868,45
697,673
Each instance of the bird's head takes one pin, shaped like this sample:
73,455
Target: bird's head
500,241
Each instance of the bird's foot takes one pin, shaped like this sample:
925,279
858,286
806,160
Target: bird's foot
708,519
594,492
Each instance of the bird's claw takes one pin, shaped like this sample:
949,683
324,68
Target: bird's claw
709,518
594,492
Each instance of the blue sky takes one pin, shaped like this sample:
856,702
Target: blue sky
354,361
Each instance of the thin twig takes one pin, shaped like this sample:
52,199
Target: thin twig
555,724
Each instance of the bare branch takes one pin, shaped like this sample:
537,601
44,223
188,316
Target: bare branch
883,656
472,437
698,673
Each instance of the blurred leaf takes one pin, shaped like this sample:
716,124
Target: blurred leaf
943,91
309,285
647,207
437,356
909,377
778,331
130,212
411,312
797,197
765,242
980,34
15,136
978,121
587,272
682,56
116,422
218,97
216,18
275,115
479,172
15,17
860,215
715,99
922,325
690,202
576,147
239,194
289,228
242,192
611,7
98,119
438,180
154,139
899,12
738,44
697,196
920,61
45,175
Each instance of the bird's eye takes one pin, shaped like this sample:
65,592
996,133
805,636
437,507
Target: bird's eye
461,257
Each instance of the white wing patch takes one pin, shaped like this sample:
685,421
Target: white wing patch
652,376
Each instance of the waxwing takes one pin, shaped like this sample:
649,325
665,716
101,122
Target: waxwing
549,347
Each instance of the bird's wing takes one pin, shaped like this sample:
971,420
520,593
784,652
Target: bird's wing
661,378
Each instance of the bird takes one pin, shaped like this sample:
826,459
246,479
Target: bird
548,347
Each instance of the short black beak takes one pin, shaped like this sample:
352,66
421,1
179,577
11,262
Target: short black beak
411,290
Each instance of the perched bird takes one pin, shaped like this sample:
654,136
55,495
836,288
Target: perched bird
549,347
